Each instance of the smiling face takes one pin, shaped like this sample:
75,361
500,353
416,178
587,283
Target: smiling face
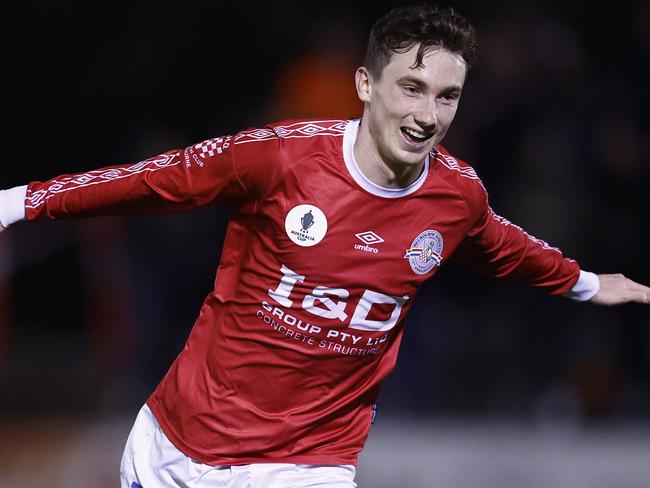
407,111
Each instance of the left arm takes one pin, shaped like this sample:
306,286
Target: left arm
498,248
501,249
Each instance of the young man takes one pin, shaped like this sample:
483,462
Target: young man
335,225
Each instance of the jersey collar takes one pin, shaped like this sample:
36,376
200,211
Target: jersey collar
349,138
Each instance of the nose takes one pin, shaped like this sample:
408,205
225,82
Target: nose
427,115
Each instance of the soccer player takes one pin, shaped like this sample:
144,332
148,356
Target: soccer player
335,224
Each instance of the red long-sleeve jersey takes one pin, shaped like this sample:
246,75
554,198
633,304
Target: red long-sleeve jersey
318,271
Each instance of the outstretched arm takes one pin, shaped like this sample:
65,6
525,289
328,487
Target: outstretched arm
616,289
174,181
502,249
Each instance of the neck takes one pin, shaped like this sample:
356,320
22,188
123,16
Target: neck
380,170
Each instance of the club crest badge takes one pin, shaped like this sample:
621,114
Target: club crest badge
425,252
306,225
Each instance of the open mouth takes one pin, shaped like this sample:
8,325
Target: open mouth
414,136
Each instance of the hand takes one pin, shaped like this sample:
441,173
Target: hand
616,289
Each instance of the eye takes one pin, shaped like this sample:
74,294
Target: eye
410,89
449,97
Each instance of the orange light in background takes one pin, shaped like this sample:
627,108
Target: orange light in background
316,85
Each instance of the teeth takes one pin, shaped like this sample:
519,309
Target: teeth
415,135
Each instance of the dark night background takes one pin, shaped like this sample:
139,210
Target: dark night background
554,118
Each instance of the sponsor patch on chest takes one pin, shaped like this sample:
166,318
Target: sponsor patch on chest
425,252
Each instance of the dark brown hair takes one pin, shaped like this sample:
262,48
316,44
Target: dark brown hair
403,27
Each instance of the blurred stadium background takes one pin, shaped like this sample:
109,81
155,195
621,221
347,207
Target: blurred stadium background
496,384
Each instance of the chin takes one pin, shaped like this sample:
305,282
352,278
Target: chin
411,159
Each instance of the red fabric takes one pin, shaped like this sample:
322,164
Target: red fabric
263,381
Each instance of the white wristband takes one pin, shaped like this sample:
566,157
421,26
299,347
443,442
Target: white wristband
12,205
585,288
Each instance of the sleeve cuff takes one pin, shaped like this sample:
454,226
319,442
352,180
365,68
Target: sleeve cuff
12,205
585,288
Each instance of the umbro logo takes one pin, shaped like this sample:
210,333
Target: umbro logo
368,237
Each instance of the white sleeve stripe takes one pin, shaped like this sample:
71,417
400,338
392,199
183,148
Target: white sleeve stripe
38,198
12,205
297,130
585,288
506,222
452,163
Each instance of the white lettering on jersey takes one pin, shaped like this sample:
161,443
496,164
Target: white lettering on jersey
287,282
333,310
360,318
366,248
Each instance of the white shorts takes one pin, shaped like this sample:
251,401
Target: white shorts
150,460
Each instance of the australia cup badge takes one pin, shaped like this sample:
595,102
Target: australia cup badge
306,225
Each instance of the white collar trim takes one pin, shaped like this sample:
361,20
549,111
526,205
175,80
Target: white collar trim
349,138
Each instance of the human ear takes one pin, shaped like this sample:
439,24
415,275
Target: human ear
363,80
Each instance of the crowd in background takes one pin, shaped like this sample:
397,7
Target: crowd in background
553,117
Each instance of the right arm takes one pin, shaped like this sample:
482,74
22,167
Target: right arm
174,181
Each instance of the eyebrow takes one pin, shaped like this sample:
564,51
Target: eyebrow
421,84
